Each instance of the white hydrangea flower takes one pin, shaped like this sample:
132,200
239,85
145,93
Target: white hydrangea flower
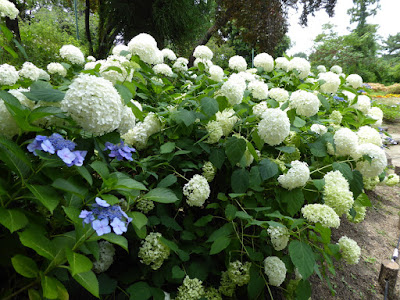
336,69
138,135
153,252
306,103
354,80
279,237
301,65
319,129
203,52
274,126
279,94
106,257
282,63
209,171
180,64
90,58
215,132
227,286
8,75
227,120
336,116
332,82
297,176
117,61
168,54
145,46
239,273
350,96
196,190
163,69
72,54
275,269
391,179
346,142
191,289
119,48
360,214
128,120
377,114
265,61
363,104
321,213
8,9
378,163
351,252
93,103
370,182
260,108
248,77
57,68
8,126
238,63
337,192
92,64
43,75
206,62
258,89
30,71
216,73
321,69
233,89
367,134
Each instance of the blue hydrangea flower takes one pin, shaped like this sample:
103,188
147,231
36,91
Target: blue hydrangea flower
102,202
118,226
101,226
119,151
60,143
340,99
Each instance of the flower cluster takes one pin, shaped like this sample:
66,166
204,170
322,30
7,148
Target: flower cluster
354,80
226,120
331,84
336,117
8,126
337,192
227,286
72,54
350,250
119,151
62,147
306,103
138,135
301,65
377,114
233,89
197,190
258,89
336,69
321,69
239,273
297,176
279,237
180,64
346,142
8,9
191,289
321,213
260,108
282,63
145,46
265,61
274,126
153,252
8,74
163,69
238,63
319,129
360,214
209,171
279,94
106,257
118,49
30,71
216,73
391,179
375,165
168,54
203,52
56,68
367,134
363,104
275,269
109,67
144,205
215,132
103,215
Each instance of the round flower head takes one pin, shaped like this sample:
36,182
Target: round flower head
354,80
227,286
360,214
336,69
8,9
8,75
106,257
215,132
321,69
93,103
128,120
138,135
337,192
144,205
145,46
119,48
119,62
350,250
163,69
297,176
153,252
336,117
279,237
275,269
239,273
30,71
319,129
282,63
306,103
265,61
258,89
56,68
331,84
377,114
168,54
391,179
370,182
367,134
196,190
346,142
237,63
206,62
180,64
363,103
301,65
378,160
247,76
209,171
260,108
216,73
226,120
274,126
72,54
203,52
233,89
321,213
278,94
8,126
191,289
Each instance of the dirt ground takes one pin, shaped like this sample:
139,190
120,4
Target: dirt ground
377,236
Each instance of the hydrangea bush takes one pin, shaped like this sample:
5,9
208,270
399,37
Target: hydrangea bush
138,176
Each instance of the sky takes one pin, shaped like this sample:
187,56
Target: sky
302,37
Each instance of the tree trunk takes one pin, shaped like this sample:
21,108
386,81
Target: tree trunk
87,26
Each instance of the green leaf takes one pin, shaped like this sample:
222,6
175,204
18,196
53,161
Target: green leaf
89,281
70,187
101,169
78,263
139,291
41,92
49,287
185,116
223,231
10,50
344,168
299,122
177,272
268,169
73,213
138,219
256,284
324,102
7,32
85,174
362,199
170,223
35,240
34,295
318,148
117,240
43,111
219,244
203,221
209,106
319,184
303,290
356,184
167,147
240,181
25,266
21,49
107,285
230,212
234,149
12,219
161,195
292,200
124,92
167,181
14,157
302,257
217,157
46,195
286,149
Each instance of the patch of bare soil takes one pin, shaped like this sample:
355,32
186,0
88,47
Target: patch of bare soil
377,236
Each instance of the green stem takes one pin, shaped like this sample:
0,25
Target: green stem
21,290
328,166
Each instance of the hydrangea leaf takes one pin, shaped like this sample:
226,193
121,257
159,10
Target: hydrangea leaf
46,195
303,290
240,180
139,291
25,266
234,149
209,106
49,287
167,181
78,263
302,257
38,242
12,219
161,195
268,169
219,244
89,281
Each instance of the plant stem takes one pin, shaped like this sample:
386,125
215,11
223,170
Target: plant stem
21,290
